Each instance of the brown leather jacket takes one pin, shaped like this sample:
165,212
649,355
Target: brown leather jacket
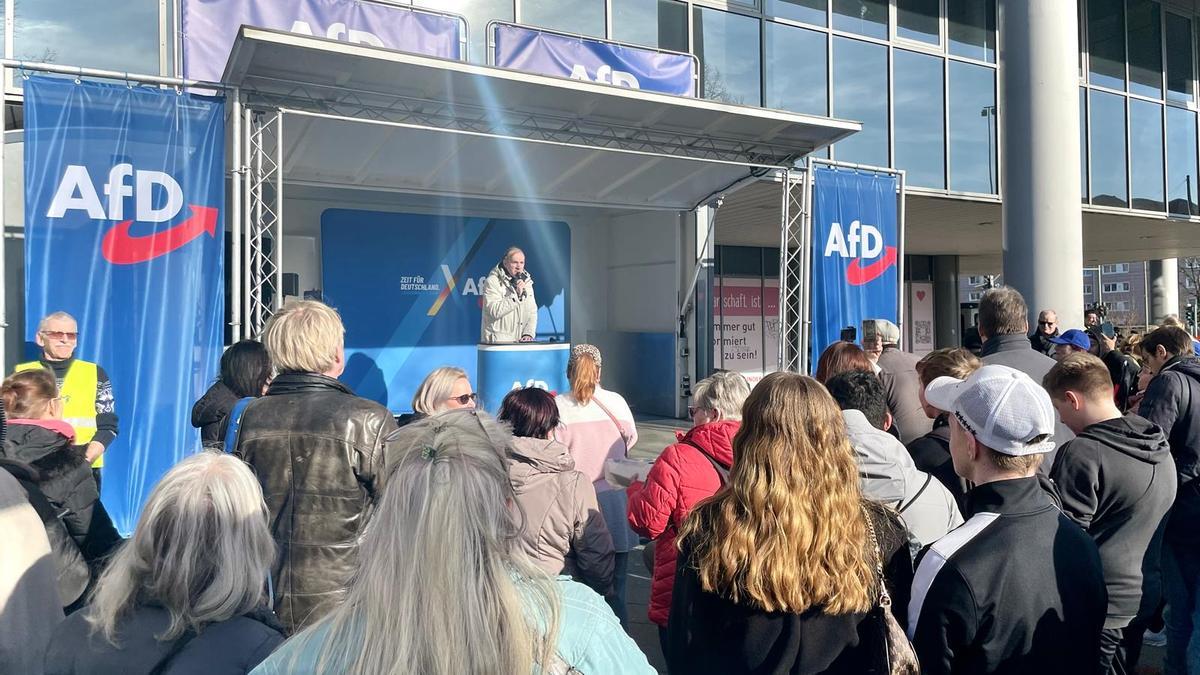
319,452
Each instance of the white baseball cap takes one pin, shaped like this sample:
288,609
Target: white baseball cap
1001,407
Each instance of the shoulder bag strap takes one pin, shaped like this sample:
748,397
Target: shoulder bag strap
903,506
620,429
176,647
235,423
885,599
722,472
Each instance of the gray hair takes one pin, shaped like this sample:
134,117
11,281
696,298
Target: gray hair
724,392
201,550
443,585
508,254
434,392
55,316
304,337
1002,311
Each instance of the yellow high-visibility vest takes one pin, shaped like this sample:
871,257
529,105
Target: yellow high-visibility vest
78,392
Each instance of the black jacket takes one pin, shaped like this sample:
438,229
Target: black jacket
931,454
319,452
73,574
232,647
1018,588
708,633
210,414
1117,480
65,476
1015,352
1172,402
1041,343
898,373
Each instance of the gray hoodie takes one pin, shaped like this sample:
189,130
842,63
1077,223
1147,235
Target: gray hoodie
563,532
887,475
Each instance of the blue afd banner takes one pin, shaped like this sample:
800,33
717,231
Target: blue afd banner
547,53
855,249
124,199
211,26
408,287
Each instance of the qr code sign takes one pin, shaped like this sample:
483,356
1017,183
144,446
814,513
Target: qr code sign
923,332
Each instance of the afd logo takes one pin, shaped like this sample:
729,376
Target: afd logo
77,192
606,75
338,31
471,286
861,242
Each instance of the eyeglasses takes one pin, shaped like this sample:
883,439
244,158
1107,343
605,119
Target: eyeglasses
692,410
1047,323
60,335
464,399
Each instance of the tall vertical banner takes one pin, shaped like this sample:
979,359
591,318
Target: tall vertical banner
855,249
124,200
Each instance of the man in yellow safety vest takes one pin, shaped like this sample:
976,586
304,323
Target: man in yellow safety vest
84,387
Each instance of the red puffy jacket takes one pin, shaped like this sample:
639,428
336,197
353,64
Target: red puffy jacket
679,479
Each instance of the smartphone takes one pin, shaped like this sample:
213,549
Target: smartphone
1107,329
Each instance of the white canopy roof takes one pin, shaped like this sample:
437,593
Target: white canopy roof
374,118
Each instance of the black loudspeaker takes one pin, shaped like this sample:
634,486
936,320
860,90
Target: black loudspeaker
291,283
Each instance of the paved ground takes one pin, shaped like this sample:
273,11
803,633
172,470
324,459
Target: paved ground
654,434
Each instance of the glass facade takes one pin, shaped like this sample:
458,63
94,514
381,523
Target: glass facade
920,119
860,73
919,74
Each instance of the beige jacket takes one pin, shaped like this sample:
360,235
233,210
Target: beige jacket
506,317
564,532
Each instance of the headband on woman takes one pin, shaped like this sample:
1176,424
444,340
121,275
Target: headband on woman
584,350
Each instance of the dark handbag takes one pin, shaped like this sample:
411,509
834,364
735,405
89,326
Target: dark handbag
894,654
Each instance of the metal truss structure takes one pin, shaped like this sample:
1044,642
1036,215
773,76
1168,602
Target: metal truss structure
262,264
794,260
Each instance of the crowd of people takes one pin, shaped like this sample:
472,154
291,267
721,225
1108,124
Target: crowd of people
1014,512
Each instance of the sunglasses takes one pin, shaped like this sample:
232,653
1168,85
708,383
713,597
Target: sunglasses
693,409
60,335
1047,323
464,399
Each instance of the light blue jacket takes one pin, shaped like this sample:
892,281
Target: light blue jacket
589,638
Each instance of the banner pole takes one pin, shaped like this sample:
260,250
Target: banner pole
277,249
235,222
3,220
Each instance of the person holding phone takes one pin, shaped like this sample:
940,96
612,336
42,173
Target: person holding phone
509,308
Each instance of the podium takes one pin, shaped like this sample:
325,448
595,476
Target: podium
504,367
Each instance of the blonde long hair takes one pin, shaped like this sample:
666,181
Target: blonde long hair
788,532
443,586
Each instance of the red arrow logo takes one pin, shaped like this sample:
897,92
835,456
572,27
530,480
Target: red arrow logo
121,248
857,275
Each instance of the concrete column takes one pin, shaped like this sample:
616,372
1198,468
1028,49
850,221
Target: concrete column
1162,281
1039,131
945,301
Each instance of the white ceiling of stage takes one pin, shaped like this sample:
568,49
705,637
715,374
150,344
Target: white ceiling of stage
379,119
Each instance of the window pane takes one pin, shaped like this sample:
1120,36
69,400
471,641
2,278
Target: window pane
865,17
918,20
477,13
1145,48
1179,58
655,23
1106,43
1146,154
1108,150
1083,177
860,93
971,28
1181,161
585,17
796,69
727,45
920,141
808,11
108,35
972,128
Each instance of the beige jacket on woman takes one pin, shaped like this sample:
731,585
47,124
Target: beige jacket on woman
563,532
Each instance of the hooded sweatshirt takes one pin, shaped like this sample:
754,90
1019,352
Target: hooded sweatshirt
563,531
1117,481
65,474
888,475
